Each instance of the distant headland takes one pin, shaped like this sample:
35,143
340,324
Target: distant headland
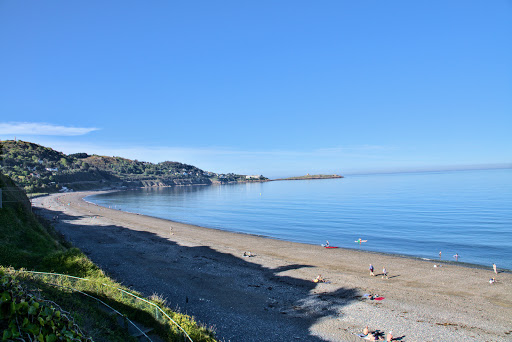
42,170
308,176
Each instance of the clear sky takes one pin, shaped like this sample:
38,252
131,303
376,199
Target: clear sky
278,88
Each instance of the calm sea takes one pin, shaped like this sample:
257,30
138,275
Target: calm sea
412,214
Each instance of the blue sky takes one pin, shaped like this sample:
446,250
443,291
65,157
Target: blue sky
278,88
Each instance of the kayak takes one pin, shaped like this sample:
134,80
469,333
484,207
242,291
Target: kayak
331,246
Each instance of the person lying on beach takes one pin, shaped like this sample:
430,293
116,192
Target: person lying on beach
248,254
371,337
371,296
366,330
319,279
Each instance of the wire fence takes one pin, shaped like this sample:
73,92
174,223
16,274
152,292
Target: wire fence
83,285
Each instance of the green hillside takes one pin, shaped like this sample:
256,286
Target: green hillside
39,169
33,309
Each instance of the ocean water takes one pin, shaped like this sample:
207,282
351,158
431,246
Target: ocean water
411,214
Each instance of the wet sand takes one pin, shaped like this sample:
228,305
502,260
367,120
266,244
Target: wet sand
271,296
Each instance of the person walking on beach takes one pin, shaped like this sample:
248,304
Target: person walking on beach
371,270
494,268
456,256
439,255
384,273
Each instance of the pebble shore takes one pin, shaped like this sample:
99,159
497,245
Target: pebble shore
271,296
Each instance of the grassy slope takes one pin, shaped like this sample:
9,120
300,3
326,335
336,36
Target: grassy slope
27,243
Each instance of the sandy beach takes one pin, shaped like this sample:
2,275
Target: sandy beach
271,295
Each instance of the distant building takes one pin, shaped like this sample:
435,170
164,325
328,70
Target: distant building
253,177
52,169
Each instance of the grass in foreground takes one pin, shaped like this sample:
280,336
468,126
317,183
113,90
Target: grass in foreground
29,243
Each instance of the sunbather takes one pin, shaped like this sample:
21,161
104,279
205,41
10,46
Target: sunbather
319,279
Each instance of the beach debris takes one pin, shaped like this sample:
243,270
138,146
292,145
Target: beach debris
447,324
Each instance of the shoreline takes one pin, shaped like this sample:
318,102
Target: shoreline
271,296
419,258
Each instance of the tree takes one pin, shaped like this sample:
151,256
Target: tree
1,150
63,162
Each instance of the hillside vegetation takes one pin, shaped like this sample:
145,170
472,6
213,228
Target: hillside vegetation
39,169
32,309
